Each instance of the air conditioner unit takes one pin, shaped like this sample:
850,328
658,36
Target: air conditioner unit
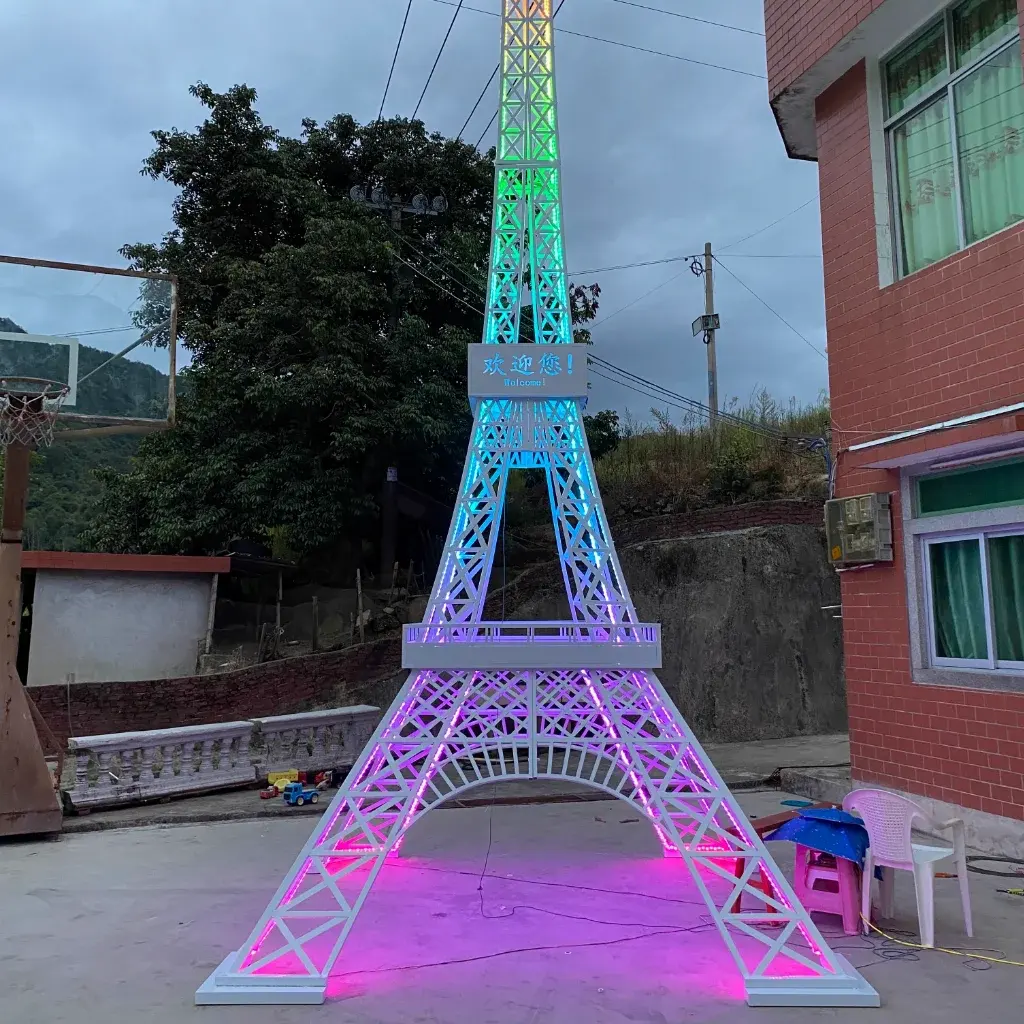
859,530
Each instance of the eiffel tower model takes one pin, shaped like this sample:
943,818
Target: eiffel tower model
576,700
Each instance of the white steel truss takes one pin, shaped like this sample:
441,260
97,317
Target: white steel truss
491,701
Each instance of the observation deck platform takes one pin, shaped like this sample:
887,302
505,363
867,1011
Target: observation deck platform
531,645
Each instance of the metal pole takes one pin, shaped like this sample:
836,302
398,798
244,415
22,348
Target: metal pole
709,337
28,803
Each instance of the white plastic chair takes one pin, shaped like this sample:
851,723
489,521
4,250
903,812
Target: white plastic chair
888,818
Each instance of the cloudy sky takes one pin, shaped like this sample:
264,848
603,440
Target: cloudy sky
660,154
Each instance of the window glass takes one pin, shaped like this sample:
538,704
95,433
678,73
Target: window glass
925,187
958,600
990,136
915,70
1006,571
999,484
978,25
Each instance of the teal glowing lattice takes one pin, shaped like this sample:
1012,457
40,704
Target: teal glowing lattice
527,221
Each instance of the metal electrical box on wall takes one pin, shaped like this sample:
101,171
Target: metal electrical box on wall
859,529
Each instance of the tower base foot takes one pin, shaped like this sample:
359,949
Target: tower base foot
217,990
846,989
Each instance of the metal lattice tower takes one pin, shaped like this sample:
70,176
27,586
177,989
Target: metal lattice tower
577,700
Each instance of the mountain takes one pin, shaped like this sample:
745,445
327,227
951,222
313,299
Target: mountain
63,488
123,387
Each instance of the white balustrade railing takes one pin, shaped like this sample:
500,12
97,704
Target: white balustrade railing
533,633
127,767
131,767
314,740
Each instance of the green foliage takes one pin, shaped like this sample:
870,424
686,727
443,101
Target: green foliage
602,432
676,466
65,487
318,358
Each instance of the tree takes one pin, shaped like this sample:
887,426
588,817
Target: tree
324,347
302,387
602,432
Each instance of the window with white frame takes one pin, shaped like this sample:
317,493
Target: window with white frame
954,105
974,579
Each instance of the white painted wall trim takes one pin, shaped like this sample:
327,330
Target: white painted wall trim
957,421
884,236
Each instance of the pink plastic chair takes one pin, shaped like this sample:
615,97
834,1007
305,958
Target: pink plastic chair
888,818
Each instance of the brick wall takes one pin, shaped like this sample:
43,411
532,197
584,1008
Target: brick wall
284,687
800,32
276,688
943,342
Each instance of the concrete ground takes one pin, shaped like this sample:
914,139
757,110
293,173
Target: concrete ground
741,764
503,914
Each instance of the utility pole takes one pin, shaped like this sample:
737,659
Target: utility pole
709,334
419,207
707,325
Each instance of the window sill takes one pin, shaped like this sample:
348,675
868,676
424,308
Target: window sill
971,679
900,278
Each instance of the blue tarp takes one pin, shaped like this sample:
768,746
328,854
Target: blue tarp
827,831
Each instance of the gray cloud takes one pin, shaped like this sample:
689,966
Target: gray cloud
659,155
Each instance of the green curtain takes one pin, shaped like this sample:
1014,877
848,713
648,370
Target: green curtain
915,69
990,136
925,186
1006,568
958,600
979,25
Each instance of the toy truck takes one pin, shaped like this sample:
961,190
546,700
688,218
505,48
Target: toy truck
295,795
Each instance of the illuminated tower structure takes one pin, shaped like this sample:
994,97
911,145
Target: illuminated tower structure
575,700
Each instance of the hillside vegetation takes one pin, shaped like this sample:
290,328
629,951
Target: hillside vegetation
668,467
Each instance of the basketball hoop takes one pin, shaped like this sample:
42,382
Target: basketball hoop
28,410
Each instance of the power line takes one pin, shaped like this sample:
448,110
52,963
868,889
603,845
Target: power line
775,255
630,266
661,53
444,43
689,17
673,398
479,100
437,284
771,310
597,39
693,256
640,298
767,227
394,60
660,393
624,45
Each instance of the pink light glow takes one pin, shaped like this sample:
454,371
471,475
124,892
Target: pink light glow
432,768
623,758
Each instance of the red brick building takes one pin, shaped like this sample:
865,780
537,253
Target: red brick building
914,112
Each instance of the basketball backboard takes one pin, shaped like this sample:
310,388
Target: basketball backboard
109,334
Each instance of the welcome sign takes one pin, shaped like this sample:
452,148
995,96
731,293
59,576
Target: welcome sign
527,371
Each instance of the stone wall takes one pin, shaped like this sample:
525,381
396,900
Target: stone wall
749,654
748,651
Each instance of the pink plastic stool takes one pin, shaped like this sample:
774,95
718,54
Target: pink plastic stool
830,885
